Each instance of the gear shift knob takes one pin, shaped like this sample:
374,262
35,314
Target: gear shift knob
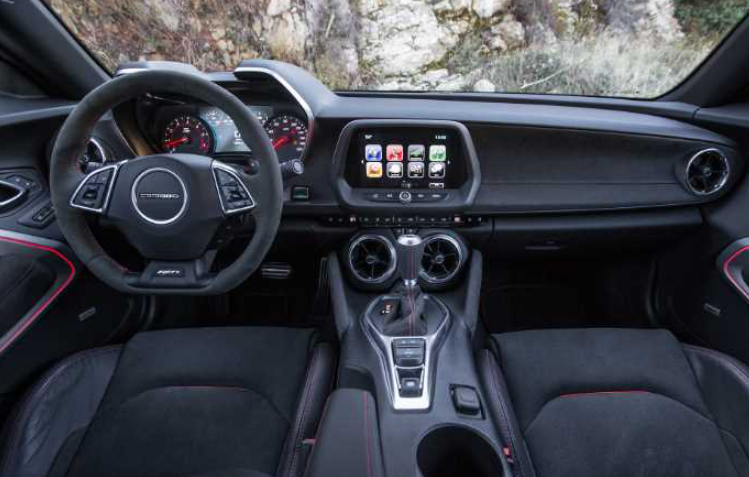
410,250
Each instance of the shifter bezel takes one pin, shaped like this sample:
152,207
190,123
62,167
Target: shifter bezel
383,346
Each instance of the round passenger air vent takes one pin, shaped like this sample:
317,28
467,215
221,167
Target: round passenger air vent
442,259
372,258
707,172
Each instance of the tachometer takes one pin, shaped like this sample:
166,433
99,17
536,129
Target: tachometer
187,134
288,135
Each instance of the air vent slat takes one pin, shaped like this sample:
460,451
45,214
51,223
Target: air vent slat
442,259
372,258
707,172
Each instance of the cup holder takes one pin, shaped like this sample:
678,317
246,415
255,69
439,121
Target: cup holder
453,451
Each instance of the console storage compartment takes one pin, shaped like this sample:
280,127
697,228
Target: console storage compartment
348,440
457,451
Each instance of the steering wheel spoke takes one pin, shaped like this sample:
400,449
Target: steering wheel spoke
233,194
174,274
95,190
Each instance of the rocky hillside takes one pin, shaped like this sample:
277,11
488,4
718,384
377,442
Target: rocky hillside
617,47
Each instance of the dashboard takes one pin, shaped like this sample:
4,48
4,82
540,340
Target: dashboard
384,159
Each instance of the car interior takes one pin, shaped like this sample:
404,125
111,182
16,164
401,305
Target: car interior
246,273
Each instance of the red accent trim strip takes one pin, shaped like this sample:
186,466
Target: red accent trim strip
592,393
39,309
733,281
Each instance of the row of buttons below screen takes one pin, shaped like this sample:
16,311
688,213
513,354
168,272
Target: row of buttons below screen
405,221
394,170
406,196
416,152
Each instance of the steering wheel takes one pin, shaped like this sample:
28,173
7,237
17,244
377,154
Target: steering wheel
168,206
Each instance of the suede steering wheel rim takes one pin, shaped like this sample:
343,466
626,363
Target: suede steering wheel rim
203,204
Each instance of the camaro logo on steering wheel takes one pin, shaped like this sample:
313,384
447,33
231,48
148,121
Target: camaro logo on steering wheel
154,195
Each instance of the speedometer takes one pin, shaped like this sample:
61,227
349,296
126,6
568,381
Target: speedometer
187,134
289,136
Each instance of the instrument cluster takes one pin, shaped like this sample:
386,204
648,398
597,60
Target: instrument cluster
209,131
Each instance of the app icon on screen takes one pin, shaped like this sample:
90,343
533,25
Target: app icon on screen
373,152
415,170
374,170
395,152
395,170
438,152
436,170
416,152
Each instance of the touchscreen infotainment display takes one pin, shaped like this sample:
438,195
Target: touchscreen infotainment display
405,158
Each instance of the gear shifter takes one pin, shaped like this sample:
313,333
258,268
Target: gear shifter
410,251
407,319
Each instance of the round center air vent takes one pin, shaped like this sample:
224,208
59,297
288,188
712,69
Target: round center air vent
372,258
707,172
442,259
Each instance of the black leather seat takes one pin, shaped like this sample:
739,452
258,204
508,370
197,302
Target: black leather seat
191,402
615,402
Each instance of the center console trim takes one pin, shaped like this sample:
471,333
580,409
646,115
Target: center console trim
383,346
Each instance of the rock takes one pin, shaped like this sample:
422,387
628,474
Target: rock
484,86
454,82
402,38
277,7
489,8
510,31
645,18
287,40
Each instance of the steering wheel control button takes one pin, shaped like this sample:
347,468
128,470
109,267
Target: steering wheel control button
405,197
159,196
93,192
232,192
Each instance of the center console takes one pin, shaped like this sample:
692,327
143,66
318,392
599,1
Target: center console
405,290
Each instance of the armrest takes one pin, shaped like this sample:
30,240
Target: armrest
348,440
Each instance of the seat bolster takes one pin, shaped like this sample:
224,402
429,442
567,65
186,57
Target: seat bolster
315,390
64,400
724,382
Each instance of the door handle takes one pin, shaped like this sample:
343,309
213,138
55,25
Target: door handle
11,195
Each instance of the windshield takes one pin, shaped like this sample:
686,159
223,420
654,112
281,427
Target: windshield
627,48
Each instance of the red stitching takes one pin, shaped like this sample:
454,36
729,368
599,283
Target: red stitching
593,393
31,319
300,428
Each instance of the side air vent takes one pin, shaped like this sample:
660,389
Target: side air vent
372,258
442,259
707,172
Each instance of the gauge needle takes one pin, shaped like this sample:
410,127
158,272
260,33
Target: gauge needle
176,142
281,141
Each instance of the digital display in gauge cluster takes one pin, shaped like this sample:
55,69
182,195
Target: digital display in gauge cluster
226,135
